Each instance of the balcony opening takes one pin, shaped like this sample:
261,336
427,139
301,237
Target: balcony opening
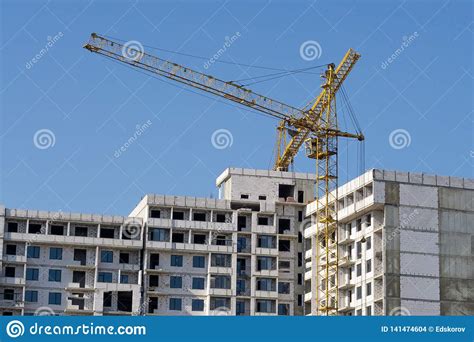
124,258
262,221
153,304
154,260
284,226
79,277
300,196
286,191
153,280
107,233
241,223
199,217
12,227
199,239
34,228
284,246
178,237
11,250
178,215
80,231
124,301
220,218
155,213
107,301
57,230
80,255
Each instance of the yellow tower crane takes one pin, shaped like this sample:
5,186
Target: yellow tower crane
315,126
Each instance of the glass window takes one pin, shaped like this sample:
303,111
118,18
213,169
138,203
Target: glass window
32,273
177,260
175,304
359,292
221,260
265,263
159,234
104,277
220,282
198,305
176,282
283,309
359,270
33,252
368,243
369,289
54,275
54,298
124,279
264,305
31,296
198,283
266,284
198,261
107,256
266,241
368,265
55,253
283,287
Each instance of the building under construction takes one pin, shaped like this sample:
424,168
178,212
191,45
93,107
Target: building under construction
405,246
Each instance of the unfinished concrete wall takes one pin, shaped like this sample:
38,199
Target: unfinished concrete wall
456,241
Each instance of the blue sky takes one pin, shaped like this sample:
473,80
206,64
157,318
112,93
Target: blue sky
89,107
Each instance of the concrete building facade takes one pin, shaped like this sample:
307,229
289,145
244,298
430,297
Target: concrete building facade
405,246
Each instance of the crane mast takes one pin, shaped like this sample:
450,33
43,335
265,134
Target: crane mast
315,126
